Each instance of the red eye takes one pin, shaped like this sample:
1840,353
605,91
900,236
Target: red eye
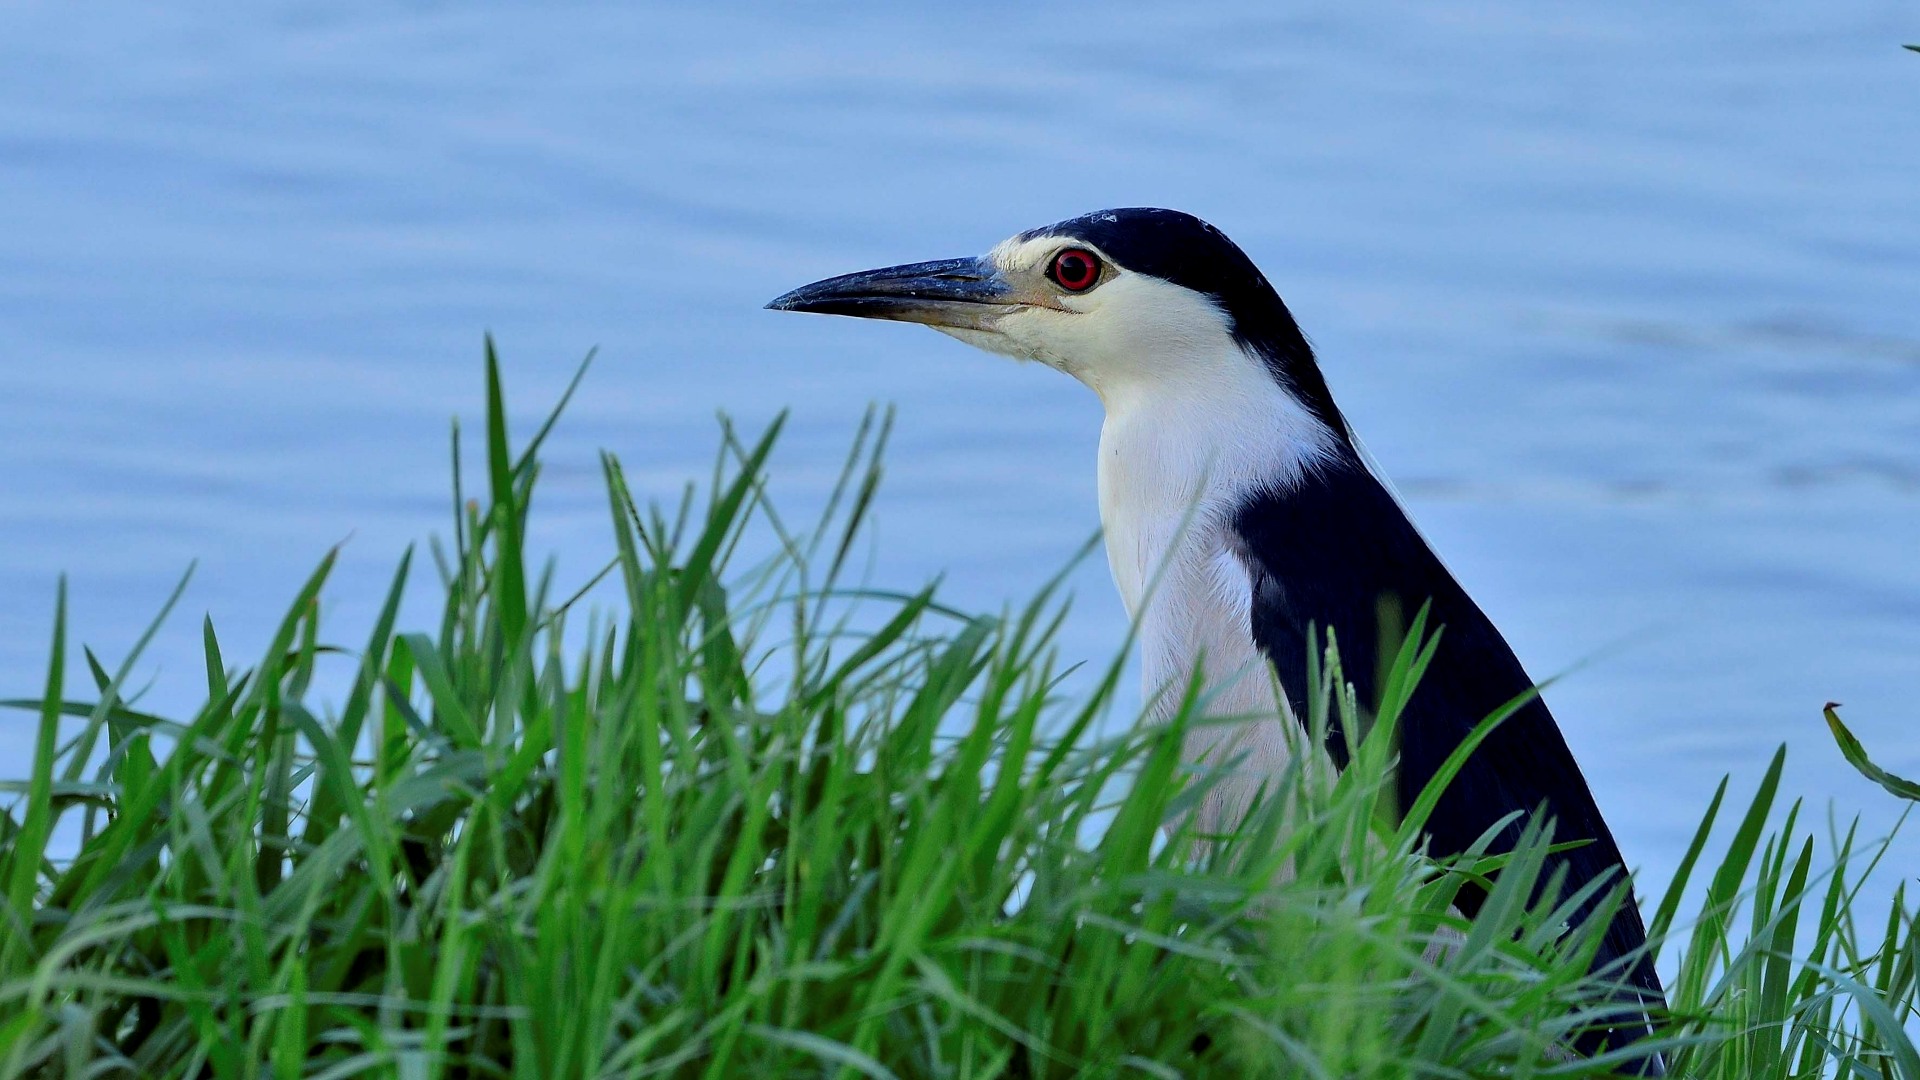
1075,270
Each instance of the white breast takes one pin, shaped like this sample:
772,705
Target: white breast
1175,460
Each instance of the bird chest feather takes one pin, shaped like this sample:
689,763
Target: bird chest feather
1166,500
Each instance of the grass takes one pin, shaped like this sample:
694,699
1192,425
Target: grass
758,823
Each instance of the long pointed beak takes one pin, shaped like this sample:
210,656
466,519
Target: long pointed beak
967,293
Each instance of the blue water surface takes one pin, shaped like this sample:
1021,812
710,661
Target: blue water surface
1625,297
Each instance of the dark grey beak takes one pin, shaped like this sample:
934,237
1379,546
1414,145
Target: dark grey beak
949,292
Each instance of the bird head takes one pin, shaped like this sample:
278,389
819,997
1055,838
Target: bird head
1132,302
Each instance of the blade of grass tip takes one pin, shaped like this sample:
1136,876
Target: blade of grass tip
324,811
267,687
1777,962
1411,651
396,712
716,483
128,762
459,494
878,642
1670,903
1414,654
110,697
1897,972
848,470
668,535
510,574
553,416
1856,755
373,659
580,593
93,876
1733,866
869,486
300,662
449,711
30,843
294,622
1098,700
1828,925
1724,890
724,514
756,503
1864,873
627,538
1773,856
216,664
101,680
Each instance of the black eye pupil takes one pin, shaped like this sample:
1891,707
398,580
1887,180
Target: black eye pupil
1075,270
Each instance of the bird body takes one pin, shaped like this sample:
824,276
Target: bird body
1193,431
1242,522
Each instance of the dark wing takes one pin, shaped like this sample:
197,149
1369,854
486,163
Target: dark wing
1325,554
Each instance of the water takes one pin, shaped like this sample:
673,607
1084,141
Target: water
1624,298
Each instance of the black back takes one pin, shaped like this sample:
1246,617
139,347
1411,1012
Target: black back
1325,555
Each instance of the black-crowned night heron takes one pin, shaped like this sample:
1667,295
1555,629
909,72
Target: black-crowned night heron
1241,517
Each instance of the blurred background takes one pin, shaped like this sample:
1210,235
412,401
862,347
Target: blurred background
1625,298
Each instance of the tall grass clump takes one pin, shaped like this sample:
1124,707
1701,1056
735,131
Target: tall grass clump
749,821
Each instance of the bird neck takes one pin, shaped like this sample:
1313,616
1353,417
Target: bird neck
1183,447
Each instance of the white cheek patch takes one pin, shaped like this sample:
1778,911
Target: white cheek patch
992,341
1038,334
1127,333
